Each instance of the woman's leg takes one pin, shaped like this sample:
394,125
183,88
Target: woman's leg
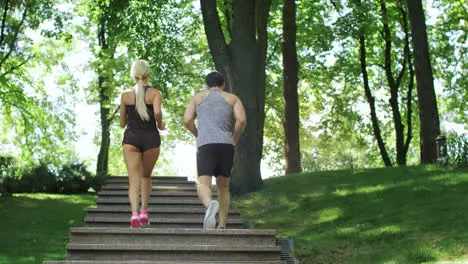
149,160
134,162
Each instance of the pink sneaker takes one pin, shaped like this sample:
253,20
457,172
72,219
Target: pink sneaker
144,217
135,221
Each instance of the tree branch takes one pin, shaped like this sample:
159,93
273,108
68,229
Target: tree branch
14,68
336,8
275,48
227,15
5,12
114,114
11,45
216,40
463,7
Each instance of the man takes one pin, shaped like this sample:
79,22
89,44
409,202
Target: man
221,121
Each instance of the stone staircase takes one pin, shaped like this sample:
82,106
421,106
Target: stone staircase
174,237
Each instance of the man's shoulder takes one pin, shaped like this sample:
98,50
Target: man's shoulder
230,97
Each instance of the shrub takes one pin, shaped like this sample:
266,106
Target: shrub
38,179
457,147
74,178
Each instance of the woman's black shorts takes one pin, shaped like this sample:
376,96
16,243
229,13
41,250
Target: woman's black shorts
142,139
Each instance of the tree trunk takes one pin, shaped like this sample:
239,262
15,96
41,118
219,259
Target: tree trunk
290,80
428,112
394,85
243,64
370,98
104,100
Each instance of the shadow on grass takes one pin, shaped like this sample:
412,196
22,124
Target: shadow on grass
35,227
395,215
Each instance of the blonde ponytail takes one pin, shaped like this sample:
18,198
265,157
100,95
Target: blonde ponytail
140,104
140,68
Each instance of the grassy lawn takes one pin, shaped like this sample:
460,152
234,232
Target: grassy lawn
35,227
396,215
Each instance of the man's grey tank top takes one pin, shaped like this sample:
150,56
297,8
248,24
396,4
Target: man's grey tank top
215,120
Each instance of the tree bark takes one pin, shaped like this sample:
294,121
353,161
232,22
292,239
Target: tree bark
409,94
428,112
103,156
243,64
370,98
394,85
290,94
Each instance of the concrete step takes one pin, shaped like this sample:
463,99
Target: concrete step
155,184
173,236
172,253
160,178
157,222
159,194
158,262
154,203
173,189
157,213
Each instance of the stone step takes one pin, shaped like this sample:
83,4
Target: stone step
165,213
172,194
173,189
157,222
173,236
172,253
161,178
158,262
155,184
154,203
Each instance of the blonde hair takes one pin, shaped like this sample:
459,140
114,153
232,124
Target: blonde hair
140,68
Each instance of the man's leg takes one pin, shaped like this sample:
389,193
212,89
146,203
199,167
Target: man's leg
222,185
204,189
212,206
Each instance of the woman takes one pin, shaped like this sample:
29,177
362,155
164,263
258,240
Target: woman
140,111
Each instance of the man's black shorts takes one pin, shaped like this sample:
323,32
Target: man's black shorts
215,160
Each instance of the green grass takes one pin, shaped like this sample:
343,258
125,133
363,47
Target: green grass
35,227
396,215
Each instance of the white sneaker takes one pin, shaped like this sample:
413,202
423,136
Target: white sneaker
210,215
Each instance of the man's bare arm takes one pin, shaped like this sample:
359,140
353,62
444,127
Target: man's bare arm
239,116
157,102
189,117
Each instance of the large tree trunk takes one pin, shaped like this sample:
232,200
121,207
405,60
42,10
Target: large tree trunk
243,64
368,92
428,112
104,102
290,80
394,85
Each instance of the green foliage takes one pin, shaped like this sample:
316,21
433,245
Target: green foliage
367,216
33,43
449,36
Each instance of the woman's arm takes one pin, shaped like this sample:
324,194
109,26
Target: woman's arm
123,112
